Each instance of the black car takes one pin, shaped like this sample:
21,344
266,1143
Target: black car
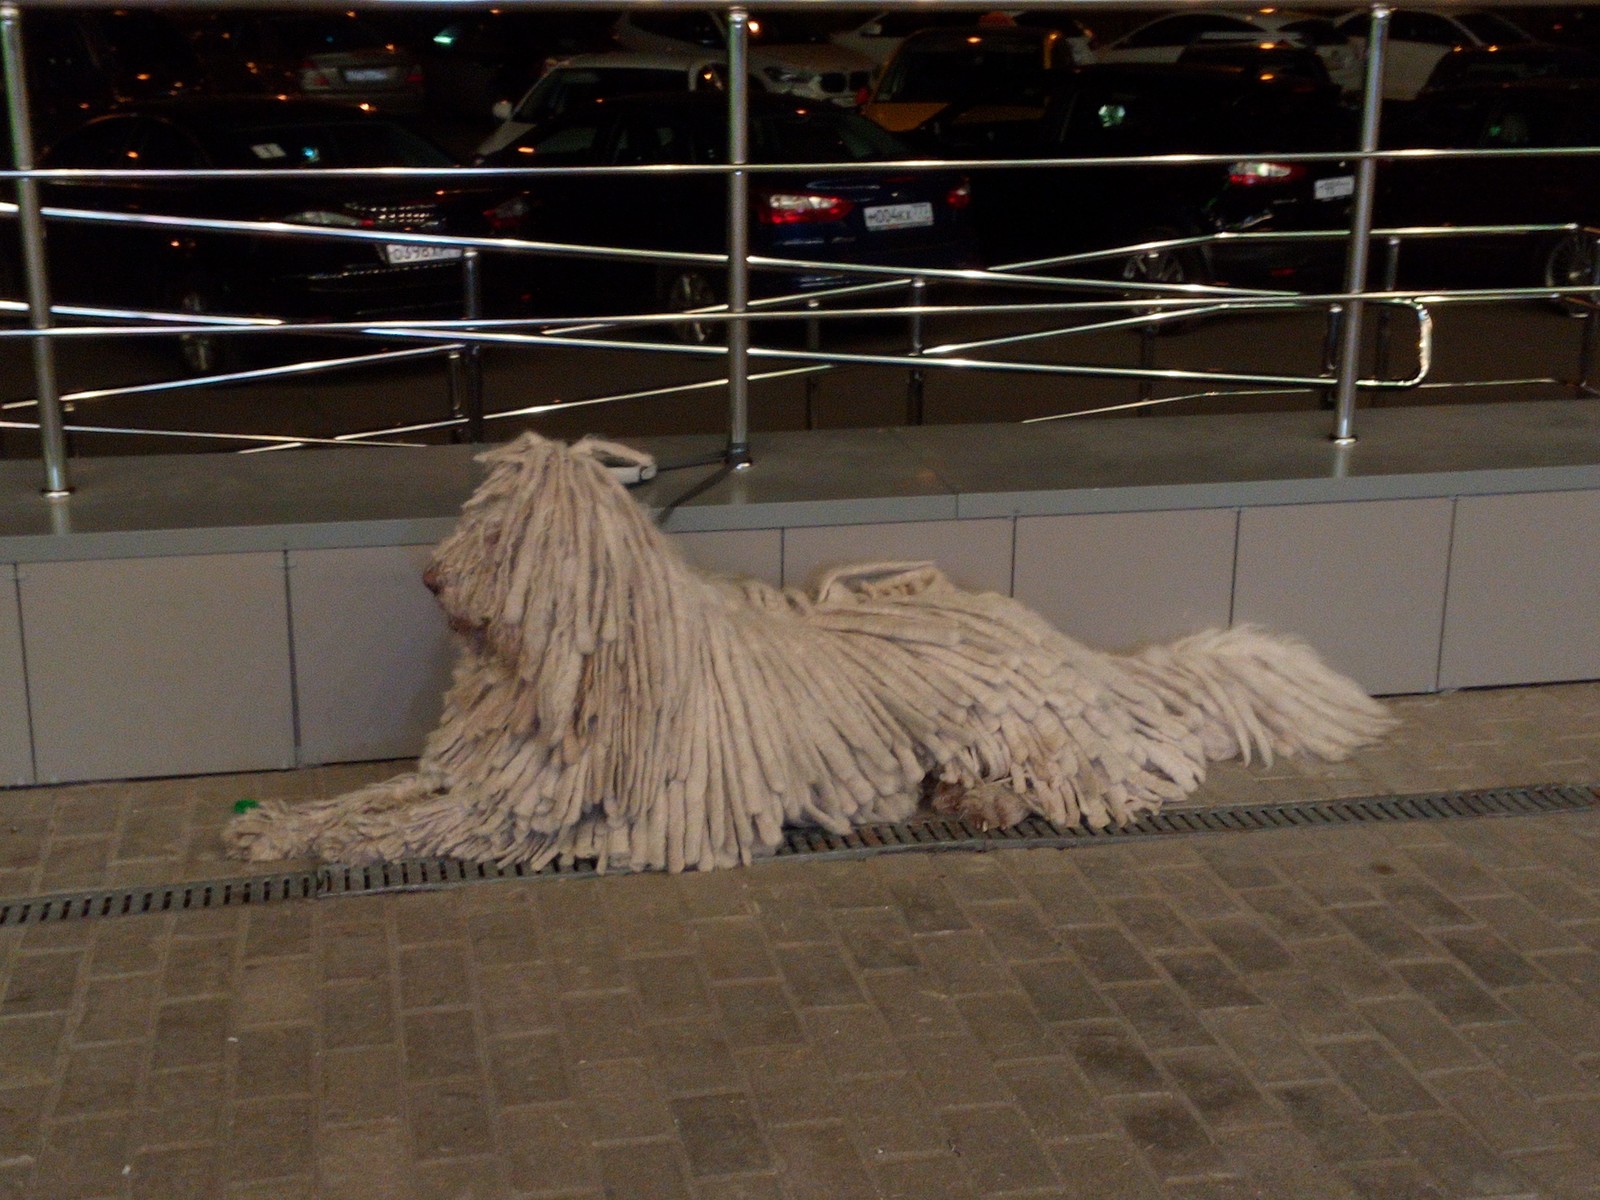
1541,113
899,218
245,274
1120,110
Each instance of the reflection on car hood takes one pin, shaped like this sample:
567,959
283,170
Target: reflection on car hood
819,58
898,117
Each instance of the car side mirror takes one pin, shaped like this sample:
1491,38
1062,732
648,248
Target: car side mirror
501,110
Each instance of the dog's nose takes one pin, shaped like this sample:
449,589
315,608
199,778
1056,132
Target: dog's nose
431,580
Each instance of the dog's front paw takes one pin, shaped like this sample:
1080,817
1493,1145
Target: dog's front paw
983,805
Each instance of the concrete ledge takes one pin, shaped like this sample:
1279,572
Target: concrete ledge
331,498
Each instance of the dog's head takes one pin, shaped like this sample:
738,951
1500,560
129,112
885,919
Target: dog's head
551,562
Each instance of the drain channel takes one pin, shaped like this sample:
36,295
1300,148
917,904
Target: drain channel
809,844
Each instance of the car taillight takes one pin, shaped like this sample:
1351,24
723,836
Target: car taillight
959,196
314,78
800,208
863,94
506,215
414,76
1254,173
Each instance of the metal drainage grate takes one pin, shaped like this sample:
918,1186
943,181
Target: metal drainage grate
157,898
431,874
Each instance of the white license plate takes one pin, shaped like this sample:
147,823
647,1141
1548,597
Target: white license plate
396,253
368,74
1336,188
899,216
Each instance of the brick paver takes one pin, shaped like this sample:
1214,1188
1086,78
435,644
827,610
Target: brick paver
1381,1011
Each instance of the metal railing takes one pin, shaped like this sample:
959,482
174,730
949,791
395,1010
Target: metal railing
1111,304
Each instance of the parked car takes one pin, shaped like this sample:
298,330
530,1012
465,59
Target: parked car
472,61
580,81
80,64
880,36
1164,39
1489,191
944,85
247,274
894,218
1465,65
789,50
333,56
1273,59
1149,109
1418,39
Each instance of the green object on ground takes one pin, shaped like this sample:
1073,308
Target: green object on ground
244,806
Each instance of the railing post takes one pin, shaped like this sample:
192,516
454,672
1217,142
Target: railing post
915,381
1330,351
1591,322
1355,273
471,398
738,452
30,228
813,342
1391,277
1147,362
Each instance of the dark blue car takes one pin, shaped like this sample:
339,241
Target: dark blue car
900,218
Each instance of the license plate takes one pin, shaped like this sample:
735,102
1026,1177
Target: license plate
1336,188
368,74
396,253
899,216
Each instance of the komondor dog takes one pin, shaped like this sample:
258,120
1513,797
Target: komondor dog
612,703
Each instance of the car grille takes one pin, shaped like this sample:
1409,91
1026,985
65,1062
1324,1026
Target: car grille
396,216
839,81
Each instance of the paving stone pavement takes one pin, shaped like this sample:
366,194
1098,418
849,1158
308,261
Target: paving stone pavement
1382,1011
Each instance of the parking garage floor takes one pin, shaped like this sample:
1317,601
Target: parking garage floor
1406,1008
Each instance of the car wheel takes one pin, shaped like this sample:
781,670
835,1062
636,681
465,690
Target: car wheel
202,353
1173,265
1571,263
683,289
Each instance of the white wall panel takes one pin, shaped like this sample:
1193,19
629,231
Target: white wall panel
16,753
1363,583
753,553
1114,580
1524,603
372,652
158,666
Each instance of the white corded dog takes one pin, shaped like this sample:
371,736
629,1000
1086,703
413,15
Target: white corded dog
613,703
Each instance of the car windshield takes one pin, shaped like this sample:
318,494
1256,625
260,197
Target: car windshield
334,144
965,74
565,89
1314,31
1488,27
800,137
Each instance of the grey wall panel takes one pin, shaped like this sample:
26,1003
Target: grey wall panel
976,554
1363,583
372,652
757,553
1114,580
16,749
158,666
1524,603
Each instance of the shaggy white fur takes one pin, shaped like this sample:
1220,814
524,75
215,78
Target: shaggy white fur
613,703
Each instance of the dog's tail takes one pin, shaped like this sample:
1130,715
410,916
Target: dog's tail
1257,693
